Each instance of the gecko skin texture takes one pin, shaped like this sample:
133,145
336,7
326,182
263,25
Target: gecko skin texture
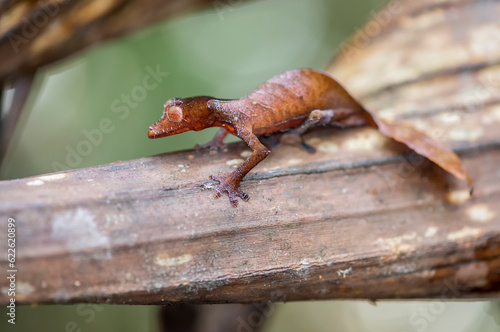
295,100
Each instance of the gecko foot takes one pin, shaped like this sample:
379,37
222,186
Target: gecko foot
291,138
231,185
210,145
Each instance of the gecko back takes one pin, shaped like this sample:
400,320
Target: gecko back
285,100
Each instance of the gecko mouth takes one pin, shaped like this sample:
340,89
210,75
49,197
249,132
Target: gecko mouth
157,133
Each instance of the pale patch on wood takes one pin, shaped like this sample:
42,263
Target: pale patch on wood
397,243
328,147
46,178
465,134
234,162
458,196
52,177
245,154
79,230
484,40
344,273
35,183
464,233
164,260
491,116
367,140
294,161
480,213
24,288
449,118
431,231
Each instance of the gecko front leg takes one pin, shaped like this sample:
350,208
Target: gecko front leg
216,143
230,182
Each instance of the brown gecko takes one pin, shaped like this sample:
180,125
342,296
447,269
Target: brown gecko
295,100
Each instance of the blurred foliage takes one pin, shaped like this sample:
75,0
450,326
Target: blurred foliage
81,318
386,316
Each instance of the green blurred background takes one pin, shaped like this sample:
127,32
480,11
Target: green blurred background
224,51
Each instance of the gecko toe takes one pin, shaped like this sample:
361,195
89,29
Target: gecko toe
234,202
308,148
217,177
230,186
244,196
210,146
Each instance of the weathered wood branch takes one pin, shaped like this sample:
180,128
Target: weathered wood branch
37,33
351,221
354,220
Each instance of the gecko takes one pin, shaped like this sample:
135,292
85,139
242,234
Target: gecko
293,102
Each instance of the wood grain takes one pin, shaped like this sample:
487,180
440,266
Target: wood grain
149,230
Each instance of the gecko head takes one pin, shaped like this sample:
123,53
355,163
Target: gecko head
181,115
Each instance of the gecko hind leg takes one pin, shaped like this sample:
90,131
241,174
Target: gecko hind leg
291,138
315,118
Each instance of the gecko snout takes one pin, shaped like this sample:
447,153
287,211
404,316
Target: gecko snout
157,130
152,132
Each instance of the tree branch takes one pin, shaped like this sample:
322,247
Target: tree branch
35,34
342,223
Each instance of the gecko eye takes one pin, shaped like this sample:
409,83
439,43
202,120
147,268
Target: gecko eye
174,114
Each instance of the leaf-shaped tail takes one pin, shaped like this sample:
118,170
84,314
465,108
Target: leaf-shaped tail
421,143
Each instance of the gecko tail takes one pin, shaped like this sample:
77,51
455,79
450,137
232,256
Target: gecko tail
423,144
